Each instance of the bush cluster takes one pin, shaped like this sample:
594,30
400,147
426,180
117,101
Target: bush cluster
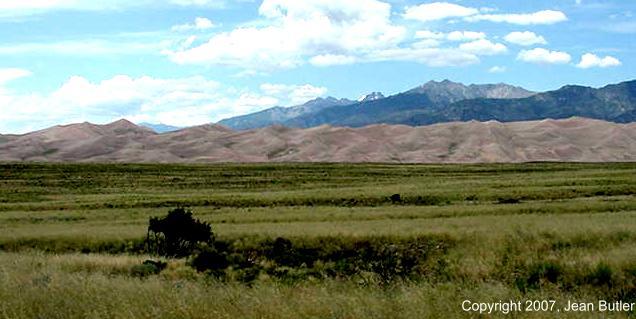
178,234
380,260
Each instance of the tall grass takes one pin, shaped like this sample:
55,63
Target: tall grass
41,286
71,236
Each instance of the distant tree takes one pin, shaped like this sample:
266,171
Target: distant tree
178,234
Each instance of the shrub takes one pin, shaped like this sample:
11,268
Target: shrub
147,268
602,275
210,259
539,273
508,200
385,259
177,234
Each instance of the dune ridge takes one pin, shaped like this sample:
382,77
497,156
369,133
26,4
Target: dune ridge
571,140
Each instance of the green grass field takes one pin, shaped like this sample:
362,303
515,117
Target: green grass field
70,235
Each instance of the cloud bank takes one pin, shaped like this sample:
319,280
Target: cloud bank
180,101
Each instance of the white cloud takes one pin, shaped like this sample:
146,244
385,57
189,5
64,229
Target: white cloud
188,42
293,94
426,43
33,4
426,49
79,99
323,33
199,24
465,35
248,102
23,8
438,11
199,3
433,57
181,101
143,44
497,69
590,60
332,59
525,38
444,10
123,93
539,17
95,5
427,34
543,56
10,74
483,47
451,36
488,9
295,31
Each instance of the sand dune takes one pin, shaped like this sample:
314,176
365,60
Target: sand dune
574,139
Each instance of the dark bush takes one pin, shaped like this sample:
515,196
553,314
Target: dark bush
602,275
210,259
177,234
387,259
508,200
248,274
160,265
283,252
426,200
539,273
396,198
147,268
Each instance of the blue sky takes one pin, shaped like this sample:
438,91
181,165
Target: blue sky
189,62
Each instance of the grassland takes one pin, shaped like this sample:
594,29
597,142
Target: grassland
70,235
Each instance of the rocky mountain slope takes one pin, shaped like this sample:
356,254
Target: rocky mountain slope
616,103
446,101
446,92
373,108
431,99
279,115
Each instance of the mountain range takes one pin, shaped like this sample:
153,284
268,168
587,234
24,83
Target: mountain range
447,101
573,139
446,122
281,115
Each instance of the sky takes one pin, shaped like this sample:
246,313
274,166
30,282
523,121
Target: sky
191,62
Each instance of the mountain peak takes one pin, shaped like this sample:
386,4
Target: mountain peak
320,100
438,83
323,100
447,91
373,96
320,103
122,124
